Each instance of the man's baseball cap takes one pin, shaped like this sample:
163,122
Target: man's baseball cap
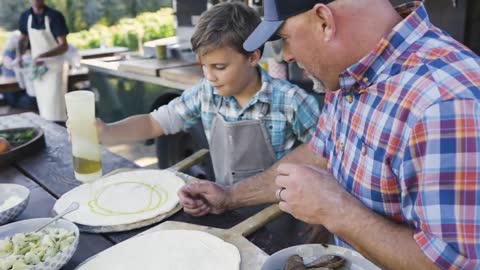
275,13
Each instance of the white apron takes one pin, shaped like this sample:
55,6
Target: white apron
50,89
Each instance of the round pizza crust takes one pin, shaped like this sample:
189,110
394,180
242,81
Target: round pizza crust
123,198
168,249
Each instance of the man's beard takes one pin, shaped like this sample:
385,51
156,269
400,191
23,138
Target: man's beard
318,86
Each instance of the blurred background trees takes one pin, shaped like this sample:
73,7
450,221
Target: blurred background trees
101,22
81,14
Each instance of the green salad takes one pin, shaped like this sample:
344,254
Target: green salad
25,250
18,137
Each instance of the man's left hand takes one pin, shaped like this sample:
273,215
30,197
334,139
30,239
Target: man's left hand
312,195
38,61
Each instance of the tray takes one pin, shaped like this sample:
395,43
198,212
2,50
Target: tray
25,149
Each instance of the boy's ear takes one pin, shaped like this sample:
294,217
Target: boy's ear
254,57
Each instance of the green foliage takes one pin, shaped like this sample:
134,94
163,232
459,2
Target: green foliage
128,32
3,37
81,14
10,11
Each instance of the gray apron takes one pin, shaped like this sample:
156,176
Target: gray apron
239,149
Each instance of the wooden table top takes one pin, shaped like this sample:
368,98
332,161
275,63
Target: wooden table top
49,174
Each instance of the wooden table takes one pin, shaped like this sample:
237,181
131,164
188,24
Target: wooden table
8,84
101,52
49,174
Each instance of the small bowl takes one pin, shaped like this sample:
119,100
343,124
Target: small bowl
310,252
8,190
31,225
24,149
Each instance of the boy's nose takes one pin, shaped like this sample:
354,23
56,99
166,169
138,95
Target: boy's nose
209,75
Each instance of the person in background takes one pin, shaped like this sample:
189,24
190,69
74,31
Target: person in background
393,170
20,99
44,28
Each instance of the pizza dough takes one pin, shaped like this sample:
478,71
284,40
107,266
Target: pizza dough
168,249
123,198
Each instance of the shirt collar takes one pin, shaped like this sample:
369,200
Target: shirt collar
45,8
414,25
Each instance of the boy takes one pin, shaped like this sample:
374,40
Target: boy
250,119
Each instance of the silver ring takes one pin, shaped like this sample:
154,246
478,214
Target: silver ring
278,194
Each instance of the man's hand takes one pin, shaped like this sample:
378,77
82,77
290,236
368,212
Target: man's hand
18,62
202,197
310,194
38,61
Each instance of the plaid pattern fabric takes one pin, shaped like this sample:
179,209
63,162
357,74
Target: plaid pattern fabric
403,136
288,113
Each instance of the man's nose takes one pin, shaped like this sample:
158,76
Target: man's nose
287,55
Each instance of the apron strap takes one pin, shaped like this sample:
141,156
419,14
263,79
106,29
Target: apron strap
47,25
29,22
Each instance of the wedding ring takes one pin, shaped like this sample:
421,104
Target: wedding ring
278,194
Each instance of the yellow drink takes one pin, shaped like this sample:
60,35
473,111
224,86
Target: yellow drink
85,146
85,166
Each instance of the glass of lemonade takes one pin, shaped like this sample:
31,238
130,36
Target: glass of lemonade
85,147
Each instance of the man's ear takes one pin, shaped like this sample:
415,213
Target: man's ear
324,18
254,57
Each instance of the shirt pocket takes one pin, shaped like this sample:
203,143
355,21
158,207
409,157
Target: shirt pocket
368,176
278,129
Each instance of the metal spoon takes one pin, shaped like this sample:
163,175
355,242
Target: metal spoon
74,206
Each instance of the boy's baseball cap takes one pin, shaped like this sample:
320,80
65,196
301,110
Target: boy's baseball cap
275,13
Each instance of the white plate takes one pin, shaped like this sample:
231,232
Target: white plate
310,252
7,191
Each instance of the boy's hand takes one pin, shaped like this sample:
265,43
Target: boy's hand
201,197
99,125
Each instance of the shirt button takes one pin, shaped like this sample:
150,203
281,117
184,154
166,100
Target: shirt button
364,149
349,98
339,146
365,80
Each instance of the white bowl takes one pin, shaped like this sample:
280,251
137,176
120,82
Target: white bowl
8,190
31,225
310,252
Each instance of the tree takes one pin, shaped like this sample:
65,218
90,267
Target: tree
81,14
10,13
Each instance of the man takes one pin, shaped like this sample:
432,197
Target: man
44,28
394,167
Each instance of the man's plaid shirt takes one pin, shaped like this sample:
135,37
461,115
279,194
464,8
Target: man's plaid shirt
403,136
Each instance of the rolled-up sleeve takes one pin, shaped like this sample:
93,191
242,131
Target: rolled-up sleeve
441,170
181,113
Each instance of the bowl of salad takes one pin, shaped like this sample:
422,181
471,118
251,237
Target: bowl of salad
17,143
49,249
13,200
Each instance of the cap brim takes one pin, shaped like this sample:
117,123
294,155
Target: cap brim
264,32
